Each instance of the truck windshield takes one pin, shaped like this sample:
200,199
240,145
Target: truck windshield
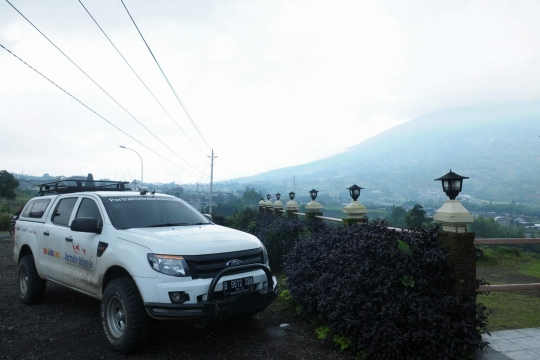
146,211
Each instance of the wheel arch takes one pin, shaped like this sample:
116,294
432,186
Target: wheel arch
25,250
113,273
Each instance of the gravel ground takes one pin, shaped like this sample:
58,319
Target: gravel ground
66,325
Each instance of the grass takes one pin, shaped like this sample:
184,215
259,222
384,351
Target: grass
511,309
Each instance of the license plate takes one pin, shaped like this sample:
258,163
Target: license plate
237,286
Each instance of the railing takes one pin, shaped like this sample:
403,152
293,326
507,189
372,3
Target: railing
507,241
487,241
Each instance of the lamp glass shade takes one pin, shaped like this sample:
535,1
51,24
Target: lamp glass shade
446,185
354,191
278,195
456,185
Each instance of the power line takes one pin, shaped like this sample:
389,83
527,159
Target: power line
113,99
165,76
137,75
92,110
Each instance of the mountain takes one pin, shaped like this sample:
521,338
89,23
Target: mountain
497,146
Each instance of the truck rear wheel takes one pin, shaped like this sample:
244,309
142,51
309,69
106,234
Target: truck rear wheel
31,287
123,316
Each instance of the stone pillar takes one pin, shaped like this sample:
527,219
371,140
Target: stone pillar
291,208
278,206
462,258
354,213
261,206
313,209
453,216
268,206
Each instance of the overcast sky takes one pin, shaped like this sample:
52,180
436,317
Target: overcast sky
269,84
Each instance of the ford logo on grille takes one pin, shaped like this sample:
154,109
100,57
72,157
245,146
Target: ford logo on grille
234,262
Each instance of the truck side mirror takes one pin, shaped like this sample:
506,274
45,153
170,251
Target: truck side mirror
209,217
85,224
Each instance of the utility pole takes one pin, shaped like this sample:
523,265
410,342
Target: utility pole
211,179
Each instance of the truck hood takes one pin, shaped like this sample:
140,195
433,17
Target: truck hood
190,240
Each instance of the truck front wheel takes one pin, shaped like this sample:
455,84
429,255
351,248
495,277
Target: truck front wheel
123,316
31,287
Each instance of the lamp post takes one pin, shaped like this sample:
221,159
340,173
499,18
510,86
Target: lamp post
278,205
313,208
123,147
211,180
453,215
268,204
354,212
292,206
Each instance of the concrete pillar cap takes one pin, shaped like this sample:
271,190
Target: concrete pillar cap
313,206
354,210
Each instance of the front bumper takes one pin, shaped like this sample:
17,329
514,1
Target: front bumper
223,307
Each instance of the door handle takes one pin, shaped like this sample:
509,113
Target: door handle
69,238
46,233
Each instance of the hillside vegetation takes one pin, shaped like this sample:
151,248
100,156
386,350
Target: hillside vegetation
496,146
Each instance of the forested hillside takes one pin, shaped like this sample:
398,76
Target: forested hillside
498,147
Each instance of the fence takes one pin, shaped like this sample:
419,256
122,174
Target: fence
463,256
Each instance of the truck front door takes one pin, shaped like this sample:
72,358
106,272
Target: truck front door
80,250
55,233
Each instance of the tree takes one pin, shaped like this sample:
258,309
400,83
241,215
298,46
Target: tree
416,217
8,184
397,218
251,197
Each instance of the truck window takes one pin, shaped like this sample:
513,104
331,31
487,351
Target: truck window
35,208
63,211
89,208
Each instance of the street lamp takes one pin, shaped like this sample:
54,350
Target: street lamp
452,215
313,194
354,191
452,184
123,147
268,196
278,195
291,195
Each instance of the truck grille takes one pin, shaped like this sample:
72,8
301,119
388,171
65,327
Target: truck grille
207,266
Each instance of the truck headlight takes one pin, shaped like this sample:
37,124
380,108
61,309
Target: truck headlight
265,255
172,265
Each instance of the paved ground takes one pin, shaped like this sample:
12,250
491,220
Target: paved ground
522,344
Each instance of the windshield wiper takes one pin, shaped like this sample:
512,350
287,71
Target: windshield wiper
207,223
168,224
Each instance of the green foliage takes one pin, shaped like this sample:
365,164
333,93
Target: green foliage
322,332
407,280
343,341
279,234
397,217
8,184
243,220
508,255
404,247
251,197
416,217
489,228
285,295
5,219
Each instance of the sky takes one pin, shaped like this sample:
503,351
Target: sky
267,84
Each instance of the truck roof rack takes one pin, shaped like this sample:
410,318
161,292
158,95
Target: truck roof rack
68,186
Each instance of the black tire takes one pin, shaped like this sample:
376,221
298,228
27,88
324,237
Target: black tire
123,316
11,229
31,287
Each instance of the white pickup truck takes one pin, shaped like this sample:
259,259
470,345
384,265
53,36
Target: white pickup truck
142,254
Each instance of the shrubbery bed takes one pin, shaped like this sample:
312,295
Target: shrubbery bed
388,292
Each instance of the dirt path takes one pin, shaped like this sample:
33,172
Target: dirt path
66,325
507,275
